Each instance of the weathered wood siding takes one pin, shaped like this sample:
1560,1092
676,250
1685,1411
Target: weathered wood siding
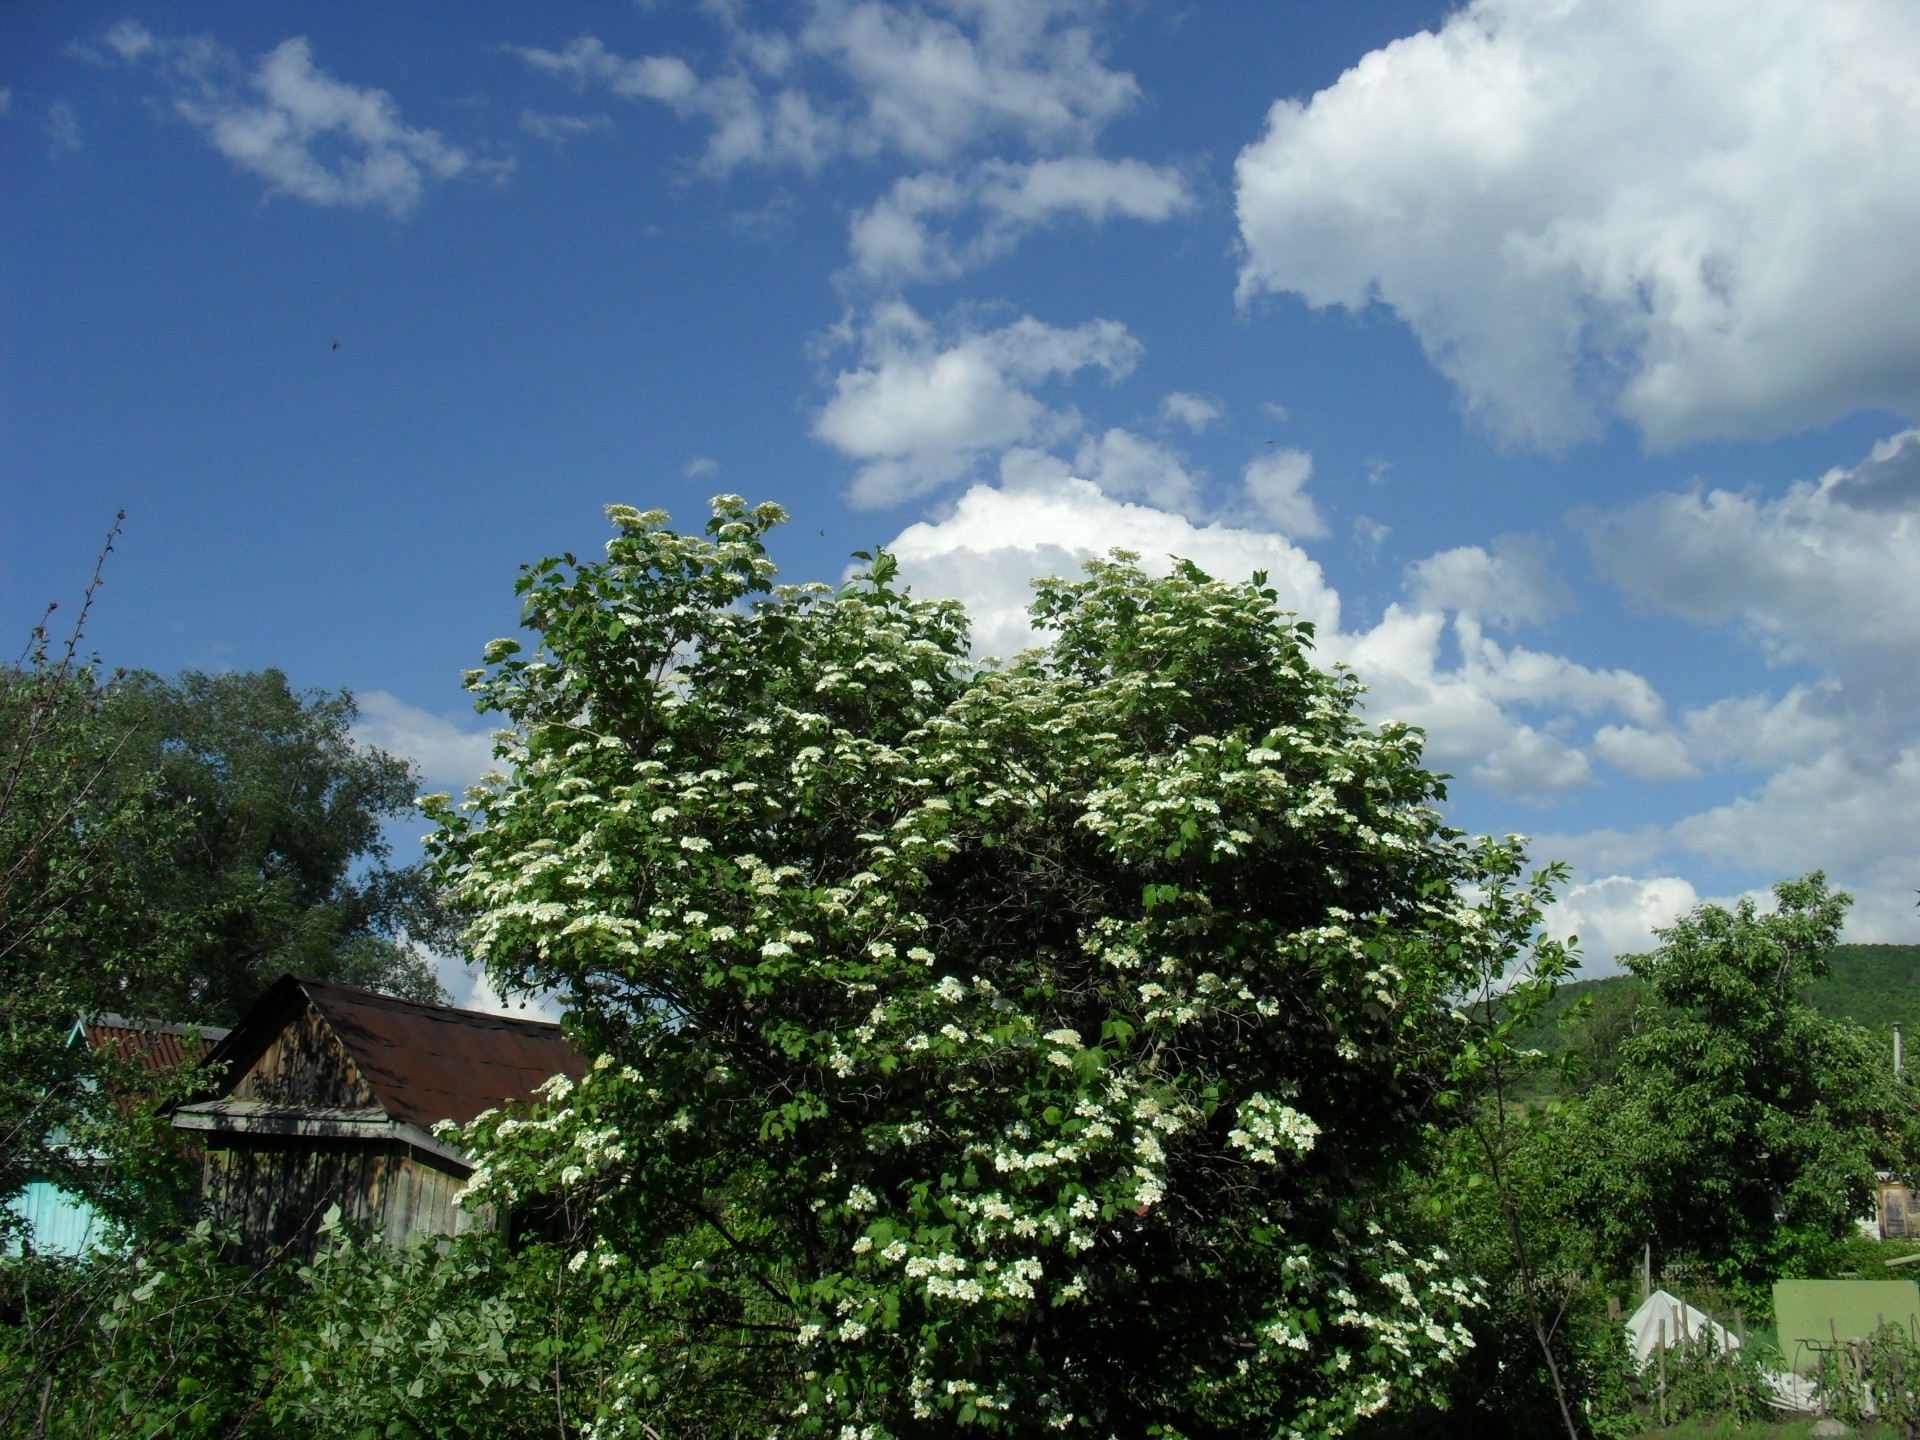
274,1191
305,1065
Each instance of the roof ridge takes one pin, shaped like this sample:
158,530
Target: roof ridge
382,998
113,1021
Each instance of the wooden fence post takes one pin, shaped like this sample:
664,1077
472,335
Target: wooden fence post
1662,1342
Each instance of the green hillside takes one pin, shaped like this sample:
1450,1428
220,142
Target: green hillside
1871,985
1874,986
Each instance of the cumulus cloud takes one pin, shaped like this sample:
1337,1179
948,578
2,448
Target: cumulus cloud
1195,412
997,539
1474,711
916,232
450,756
1616,915
1827,574
1132,467
1697,216
925,82
924,408
1824,577
1644,754
296,127
1511,584
1276,488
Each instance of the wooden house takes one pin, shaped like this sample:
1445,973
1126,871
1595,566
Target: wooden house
55,1221
326,1095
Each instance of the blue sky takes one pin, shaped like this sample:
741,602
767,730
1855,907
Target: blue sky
1561,360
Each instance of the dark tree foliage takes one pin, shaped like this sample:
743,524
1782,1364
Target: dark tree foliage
280,863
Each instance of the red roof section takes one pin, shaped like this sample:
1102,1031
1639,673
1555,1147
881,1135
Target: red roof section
156,1044
428,1063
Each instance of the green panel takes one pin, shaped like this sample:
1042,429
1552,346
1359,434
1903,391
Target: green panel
1811,1314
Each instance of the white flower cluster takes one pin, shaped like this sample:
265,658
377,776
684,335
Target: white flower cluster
1266,1127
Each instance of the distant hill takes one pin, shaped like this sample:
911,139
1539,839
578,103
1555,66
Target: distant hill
1871,985
1874,986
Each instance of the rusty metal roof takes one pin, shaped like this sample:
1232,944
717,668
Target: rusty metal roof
155,1044
425,1063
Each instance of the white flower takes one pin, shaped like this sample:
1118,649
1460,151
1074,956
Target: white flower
860,1198
950,989
1063,1037
862,1245
851,1330
577,1263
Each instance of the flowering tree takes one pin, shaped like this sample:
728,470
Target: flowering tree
1021,1046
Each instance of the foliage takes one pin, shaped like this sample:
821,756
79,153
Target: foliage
1743,1127
280,864
1874,1379
1027,1047
163,1339
1870,985
1702,1380
83,847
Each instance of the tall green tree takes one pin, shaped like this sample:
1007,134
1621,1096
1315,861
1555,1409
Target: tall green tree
280,861
1021,1047
1741,1126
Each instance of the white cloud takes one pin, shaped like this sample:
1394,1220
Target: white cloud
1196,412
1698,215
6,101
1827,574
896,239
558,129
700,465
923,409
997,539
1276,487
1644,754
1132,467
926,82
1514,583
470,988
296,127
450,757
63,128
1616,915
1836,767
932,84
748,127
1464,709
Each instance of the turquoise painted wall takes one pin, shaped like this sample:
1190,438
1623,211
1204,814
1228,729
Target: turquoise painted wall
58,1224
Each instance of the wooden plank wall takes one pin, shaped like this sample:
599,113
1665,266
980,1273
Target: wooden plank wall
275,1191
305,1065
